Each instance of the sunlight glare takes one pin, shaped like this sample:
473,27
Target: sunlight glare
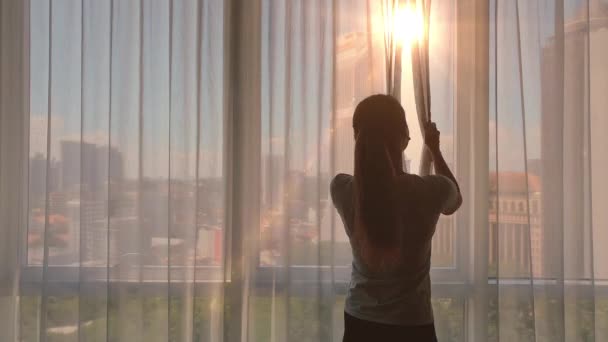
408,25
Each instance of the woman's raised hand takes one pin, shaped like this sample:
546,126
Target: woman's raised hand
431,136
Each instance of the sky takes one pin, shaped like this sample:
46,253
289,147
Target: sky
67,92
161,98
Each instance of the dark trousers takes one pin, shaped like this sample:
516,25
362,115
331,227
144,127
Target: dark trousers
356,330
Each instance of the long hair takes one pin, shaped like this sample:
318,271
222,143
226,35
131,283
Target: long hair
379,126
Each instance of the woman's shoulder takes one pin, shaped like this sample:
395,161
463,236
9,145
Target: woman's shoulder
340,179
339,186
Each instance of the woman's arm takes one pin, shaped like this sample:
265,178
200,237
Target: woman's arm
431,139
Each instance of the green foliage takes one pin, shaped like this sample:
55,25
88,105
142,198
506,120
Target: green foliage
306,318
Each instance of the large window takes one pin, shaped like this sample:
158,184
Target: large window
140,170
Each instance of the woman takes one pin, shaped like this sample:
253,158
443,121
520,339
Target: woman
390,218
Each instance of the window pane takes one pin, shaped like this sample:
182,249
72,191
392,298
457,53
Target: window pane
296,213
118,175
301,150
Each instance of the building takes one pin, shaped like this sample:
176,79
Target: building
566,163
38,134
272,190
510,240
209,246
94,231
93,159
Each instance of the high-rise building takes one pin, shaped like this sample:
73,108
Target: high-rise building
38,134
568,101
93,159
38,168
58,203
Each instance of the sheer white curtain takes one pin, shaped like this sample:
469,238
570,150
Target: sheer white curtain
547,170
165,165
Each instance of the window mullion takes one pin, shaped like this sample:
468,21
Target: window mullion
472,158
14,140
242,143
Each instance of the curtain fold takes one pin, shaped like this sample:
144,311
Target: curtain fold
421,77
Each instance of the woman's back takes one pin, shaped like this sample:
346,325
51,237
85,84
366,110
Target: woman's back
400,295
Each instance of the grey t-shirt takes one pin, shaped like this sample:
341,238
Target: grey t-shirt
403,295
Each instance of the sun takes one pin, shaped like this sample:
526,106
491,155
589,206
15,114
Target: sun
408,25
